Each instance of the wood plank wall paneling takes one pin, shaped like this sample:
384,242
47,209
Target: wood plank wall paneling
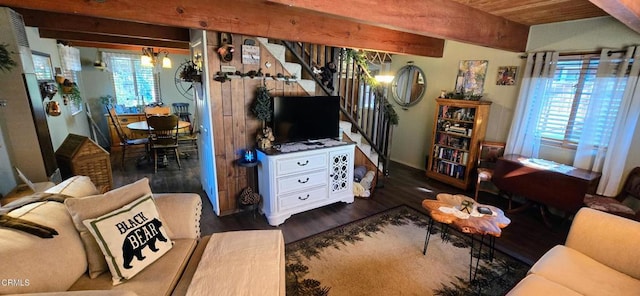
234,125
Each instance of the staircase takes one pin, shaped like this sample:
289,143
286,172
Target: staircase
294,69
363,106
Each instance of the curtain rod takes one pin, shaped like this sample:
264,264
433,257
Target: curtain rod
609,53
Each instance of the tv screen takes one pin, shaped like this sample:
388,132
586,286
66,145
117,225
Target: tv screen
305,118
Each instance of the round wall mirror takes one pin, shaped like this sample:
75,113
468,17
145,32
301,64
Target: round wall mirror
408,86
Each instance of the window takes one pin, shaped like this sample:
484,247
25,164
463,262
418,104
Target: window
567,98
134,84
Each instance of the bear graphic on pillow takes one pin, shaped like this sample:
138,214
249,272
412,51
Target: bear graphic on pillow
139,238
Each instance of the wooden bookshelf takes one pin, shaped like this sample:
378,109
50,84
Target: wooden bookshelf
459,127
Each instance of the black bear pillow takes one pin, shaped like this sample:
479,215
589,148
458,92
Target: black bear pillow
131,238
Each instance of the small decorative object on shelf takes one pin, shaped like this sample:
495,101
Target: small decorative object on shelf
249,155
266,138
460,126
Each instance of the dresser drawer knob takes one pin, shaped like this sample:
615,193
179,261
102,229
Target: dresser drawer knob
302,182
303,164
303,198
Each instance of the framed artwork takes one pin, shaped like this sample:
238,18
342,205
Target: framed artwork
42,65
507,75
471,75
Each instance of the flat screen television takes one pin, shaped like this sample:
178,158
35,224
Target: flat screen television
305,118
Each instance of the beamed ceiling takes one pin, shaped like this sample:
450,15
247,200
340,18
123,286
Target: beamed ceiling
417,27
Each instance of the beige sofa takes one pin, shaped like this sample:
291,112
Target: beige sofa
600,257
58,266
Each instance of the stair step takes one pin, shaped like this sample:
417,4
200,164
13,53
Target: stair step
308,85
345,126
366,149
355,137
276,50
294,69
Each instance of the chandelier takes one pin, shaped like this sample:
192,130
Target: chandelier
150,58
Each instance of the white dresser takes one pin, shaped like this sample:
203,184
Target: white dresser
295,182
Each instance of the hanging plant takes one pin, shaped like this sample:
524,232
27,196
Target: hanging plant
190,72
262,105
70,91
6,62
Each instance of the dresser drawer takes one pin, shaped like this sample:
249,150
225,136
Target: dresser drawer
301,181
299,199
300,163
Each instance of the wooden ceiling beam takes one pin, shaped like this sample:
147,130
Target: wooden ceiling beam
102,46
248,17
75,36
625,11
436,18
75,23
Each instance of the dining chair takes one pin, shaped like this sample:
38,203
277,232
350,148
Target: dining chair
616,205
156,110
182,110
163,135
125,141
488,154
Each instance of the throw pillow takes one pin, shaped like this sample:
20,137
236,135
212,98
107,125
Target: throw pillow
131,238
76,186
90,207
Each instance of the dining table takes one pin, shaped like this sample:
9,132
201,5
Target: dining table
139,126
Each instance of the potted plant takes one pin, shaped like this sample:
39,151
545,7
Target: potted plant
6,62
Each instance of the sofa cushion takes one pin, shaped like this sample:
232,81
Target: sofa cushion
535,285
159,278
603,237
582,274
37,264
76,186
247,262
131,238
97,205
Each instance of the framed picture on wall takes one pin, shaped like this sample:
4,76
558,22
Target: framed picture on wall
507,75
471,75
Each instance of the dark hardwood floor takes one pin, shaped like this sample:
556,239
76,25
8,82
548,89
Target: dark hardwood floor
526,238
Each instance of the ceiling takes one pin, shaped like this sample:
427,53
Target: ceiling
537,12
416,27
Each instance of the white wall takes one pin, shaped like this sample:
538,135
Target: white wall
413,134
59,126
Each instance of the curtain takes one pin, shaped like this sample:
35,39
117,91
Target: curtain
523,137
604,144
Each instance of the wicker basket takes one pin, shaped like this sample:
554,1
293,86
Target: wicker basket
79,155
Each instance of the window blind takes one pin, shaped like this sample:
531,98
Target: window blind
133,83
570,93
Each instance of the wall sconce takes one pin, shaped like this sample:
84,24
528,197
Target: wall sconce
150,58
